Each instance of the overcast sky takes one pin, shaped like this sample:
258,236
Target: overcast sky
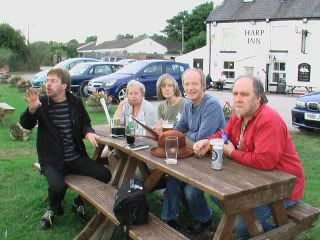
63,20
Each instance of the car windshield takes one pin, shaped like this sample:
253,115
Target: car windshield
132,68
79,69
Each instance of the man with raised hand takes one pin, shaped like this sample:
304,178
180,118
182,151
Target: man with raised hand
63,123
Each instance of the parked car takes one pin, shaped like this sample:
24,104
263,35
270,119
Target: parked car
39,79
126,61
306,113
146,72
83,72
112,59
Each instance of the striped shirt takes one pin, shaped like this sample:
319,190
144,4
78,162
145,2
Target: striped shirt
60,117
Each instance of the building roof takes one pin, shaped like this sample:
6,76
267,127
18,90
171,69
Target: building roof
86,46
170,45
120,43
238,10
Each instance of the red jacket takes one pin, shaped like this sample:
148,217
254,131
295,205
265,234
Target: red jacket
266,145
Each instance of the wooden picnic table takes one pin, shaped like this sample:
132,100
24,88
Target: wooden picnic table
4,110
292,87
239,188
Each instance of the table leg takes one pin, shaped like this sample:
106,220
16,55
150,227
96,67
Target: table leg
279,213
253,224
98,151
225,228
118,171
152,180
91,227
128,171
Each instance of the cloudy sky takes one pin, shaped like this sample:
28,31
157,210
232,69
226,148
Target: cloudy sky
63,20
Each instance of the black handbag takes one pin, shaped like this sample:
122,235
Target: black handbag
131,206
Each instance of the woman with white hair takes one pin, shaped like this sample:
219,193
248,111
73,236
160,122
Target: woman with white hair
136,105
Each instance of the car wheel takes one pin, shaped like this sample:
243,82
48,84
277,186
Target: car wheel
83,89
122,94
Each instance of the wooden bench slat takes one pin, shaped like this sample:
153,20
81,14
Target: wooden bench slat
301,212
102,196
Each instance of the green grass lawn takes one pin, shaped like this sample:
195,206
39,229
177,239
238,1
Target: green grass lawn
22,189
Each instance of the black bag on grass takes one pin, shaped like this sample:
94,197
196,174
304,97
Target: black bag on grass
131,206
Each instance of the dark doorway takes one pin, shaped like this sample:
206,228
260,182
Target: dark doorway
198,63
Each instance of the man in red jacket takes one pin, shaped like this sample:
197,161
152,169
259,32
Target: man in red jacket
259,138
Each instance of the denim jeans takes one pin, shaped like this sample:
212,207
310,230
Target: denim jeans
196,201
262,213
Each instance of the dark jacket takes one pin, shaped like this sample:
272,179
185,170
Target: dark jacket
49,143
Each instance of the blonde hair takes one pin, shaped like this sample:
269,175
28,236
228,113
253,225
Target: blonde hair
160,81
135,83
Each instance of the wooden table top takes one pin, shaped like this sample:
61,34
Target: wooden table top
234,181
6,107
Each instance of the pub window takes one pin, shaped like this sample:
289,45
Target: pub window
228,69
279,72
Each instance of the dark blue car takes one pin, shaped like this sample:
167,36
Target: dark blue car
306,113
83,72
146,72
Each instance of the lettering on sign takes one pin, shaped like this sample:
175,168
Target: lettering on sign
254,37
304,70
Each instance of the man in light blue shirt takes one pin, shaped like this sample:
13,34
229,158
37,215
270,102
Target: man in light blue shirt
201,116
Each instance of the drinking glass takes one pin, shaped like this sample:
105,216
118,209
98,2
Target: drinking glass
167,125
171,148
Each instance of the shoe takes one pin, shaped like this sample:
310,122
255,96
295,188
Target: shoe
46,220
78,208
199,227
172,223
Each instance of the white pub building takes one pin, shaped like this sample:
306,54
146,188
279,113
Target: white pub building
275,40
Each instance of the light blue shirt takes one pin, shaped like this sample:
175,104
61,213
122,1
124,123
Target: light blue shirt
198,122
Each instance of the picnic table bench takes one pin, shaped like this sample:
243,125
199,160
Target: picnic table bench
238,187
5,109
291,88
101,196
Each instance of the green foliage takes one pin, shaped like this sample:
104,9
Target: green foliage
193,26
6,56
91,39
174,26
39,54
157,37
124,36
13,46
57,50
195,42
72,48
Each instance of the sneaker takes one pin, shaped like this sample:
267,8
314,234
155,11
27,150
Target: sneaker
78,208
46,220
199,227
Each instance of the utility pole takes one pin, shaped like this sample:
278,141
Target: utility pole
182,36
28,36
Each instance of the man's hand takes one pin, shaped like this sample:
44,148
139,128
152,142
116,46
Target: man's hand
91,137
228,148
33,100
201,147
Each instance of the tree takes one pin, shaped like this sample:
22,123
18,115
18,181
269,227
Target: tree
124,36
39,54
195,42
13,41
71,48
174,28
158,37
193,26
57,50
91,39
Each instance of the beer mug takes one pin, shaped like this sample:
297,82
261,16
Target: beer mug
117,129
167,125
